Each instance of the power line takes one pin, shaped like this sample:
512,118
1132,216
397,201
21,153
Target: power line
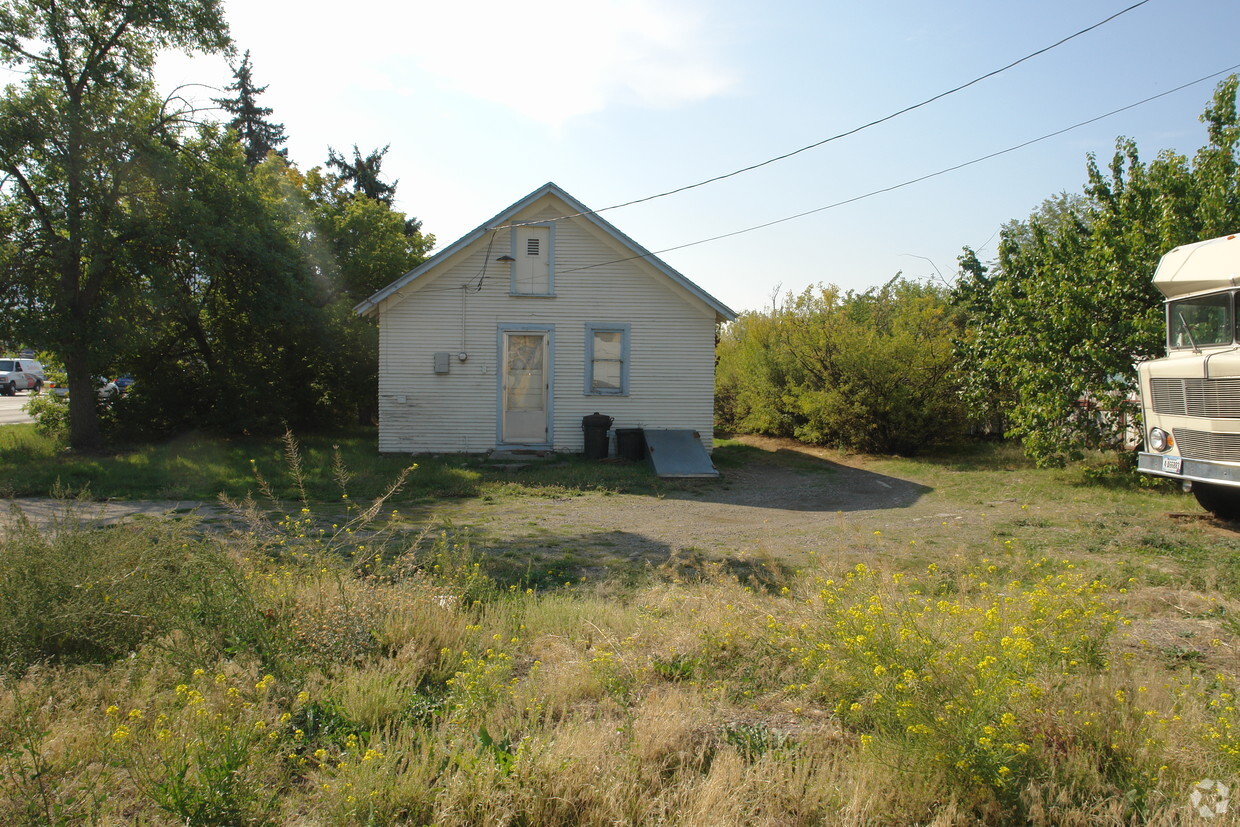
856,129
918,179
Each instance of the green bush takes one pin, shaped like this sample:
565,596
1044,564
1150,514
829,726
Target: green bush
51,415
51,412
872,371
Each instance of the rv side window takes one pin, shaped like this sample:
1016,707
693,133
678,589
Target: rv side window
1202,321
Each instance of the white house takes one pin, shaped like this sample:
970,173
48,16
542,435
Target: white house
540,316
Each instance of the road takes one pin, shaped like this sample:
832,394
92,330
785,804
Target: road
11,412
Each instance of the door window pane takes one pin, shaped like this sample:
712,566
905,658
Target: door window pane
525,373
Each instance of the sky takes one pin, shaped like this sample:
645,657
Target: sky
484,101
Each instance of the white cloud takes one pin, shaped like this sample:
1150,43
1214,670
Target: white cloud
550,62
561,59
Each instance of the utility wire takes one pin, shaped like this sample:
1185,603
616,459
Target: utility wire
856,129
917,180
482,274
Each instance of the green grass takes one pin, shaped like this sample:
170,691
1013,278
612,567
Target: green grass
198,467
996,498
730,454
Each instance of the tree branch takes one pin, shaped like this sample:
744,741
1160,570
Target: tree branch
40,209
96,55
10,43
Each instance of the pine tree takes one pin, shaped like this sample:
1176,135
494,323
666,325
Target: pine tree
363,174
258,135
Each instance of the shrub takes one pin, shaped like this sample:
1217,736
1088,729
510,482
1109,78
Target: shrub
871,371
50,414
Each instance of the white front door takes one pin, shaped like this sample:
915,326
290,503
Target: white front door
524,389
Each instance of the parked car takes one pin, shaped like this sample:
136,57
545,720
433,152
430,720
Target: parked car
123,382
107,388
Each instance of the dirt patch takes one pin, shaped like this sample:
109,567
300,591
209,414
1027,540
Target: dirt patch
779,501
777,504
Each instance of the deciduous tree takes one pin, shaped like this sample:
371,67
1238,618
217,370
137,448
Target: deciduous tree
1059,320
79,134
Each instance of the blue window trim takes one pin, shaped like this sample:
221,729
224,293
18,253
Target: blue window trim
623,330
512,268
501,329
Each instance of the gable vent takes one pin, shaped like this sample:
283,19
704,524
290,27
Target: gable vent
532,247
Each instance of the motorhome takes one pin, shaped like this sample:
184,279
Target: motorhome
1190,398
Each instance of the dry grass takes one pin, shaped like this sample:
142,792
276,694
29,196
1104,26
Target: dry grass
690,703
294,679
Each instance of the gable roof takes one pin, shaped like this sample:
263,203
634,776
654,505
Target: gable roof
371,305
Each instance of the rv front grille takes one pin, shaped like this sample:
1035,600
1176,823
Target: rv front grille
1207,445
1206,398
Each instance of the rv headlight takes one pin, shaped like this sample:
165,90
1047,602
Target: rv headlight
1160,440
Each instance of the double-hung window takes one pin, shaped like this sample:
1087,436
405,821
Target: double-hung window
607,359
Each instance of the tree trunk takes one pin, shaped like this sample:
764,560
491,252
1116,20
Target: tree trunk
84,433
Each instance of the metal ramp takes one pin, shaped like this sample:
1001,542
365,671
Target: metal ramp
678,454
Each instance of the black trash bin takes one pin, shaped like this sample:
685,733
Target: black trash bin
631,443
596,426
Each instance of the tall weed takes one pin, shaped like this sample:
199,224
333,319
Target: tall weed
206,751
79,590
37,785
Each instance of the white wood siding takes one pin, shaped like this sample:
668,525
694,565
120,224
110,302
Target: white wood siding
672,352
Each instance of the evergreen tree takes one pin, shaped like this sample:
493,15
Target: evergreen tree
363,174
258,135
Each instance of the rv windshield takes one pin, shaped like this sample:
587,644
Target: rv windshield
1202,321
6,365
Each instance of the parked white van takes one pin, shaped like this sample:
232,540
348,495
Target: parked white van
18,374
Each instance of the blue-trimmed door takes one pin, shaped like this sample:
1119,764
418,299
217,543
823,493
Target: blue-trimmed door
525,388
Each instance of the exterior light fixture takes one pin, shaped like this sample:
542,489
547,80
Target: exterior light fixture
506,259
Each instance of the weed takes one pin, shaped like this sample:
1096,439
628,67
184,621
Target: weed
78,590
755,740
199,754
44,793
